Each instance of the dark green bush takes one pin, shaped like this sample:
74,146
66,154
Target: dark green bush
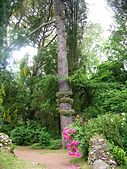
44,138
30,133
6,128
108,97
55,144
19,136
112,126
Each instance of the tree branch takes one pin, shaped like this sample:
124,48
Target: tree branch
50,41
42,25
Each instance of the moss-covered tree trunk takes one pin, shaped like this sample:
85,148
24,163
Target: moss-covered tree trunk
64,101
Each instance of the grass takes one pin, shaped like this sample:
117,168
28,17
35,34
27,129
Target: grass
8,161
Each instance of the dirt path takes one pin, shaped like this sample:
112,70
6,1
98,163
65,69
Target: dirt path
50,159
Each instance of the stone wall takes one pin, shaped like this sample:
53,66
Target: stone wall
5,142
99,150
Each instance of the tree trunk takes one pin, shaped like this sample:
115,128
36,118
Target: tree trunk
64,89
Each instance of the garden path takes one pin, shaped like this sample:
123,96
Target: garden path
51,159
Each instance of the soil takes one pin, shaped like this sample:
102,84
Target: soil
50,159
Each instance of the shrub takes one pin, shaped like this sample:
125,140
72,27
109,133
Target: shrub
30,133
108,97
55,144
118,154
112,126
19,136
44,138
6,128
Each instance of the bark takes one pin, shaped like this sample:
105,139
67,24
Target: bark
62,62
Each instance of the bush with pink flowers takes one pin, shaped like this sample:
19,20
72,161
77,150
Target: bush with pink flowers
72,144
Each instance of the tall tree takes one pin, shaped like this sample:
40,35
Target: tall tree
64,89
75,12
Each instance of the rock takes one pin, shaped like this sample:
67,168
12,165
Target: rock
5,142
113,164
99,150
99,164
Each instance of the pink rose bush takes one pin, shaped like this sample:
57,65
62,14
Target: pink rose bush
72,144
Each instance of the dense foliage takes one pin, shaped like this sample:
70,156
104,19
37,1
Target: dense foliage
112,126
30,133
28,106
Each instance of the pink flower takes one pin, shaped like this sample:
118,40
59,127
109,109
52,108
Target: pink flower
72,131
69,146
77,154
71,153
72,145
65,131
76,143
74,149
66,137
